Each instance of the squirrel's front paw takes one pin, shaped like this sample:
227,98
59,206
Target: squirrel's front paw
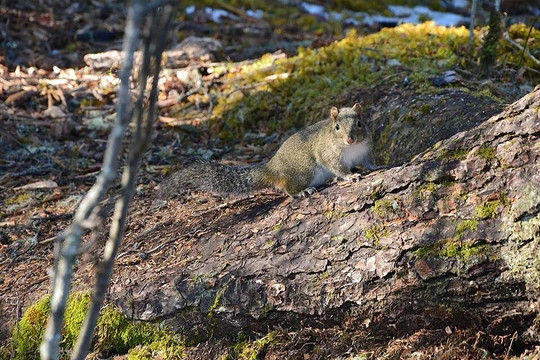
354,177
307,192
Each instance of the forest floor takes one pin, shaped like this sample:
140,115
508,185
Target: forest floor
56,114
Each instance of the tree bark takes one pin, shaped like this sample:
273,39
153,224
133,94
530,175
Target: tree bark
449,239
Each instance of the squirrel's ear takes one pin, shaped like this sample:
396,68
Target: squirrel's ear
357,108
333,113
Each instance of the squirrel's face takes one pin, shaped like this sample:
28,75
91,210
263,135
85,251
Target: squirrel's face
348,126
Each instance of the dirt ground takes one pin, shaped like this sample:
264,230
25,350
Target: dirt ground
50,158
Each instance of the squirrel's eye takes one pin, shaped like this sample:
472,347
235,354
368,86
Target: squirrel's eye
337,127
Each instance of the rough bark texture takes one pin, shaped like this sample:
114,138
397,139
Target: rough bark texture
449,239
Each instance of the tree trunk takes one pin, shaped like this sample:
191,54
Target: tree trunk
450,240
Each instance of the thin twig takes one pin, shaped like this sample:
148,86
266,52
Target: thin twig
474,8
515,44
510,346
49,348
153,49
526,42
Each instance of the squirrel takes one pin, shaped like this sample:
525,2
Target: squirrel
306,160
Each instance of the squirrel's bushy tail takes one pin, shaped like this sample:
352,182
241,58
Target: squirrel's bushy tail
216,178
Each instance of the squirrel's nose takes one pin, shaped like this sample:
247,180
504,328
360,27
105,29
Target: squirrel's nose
350,140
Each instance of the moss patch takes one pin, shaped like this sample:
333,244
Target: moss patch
315,76
382,207
375,233
487,153
114,334
464,226
246,349
28,333
450,248
459,154
488,210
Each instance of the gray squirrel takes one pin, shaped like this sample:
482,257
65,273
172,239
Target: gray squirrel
306,160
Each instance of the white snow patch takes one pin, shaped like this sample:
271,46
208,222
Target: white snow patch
258,13
403,14
337,16
314,9
461,3
216,14
190,10
352,22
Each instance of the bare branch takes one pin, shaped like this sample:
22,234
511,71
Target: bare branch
474,9
49,348
153,48
515,44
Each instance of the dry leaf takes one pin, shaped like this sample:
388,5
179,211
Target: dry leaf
43,184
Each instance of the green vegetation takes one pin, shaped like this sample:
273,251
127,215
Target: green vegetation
115,333
376,232
459,154
332,214
253,350
217,302
315,76
28,333
465,225
385,207
426,108
488,210
450,248
19,199
487,153
454,249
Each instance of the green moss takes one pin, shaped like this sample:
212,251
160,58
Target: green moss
424,18
332,214
19,199
459,154
487,93
253,350
425,251
76,310
114,334
382,145
385,206
28,333
429,187
424,190
464,226
455,249
315,76
409,117
278,226
426,108
217,302
376,232
450,248
488,210
487,153
166,346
